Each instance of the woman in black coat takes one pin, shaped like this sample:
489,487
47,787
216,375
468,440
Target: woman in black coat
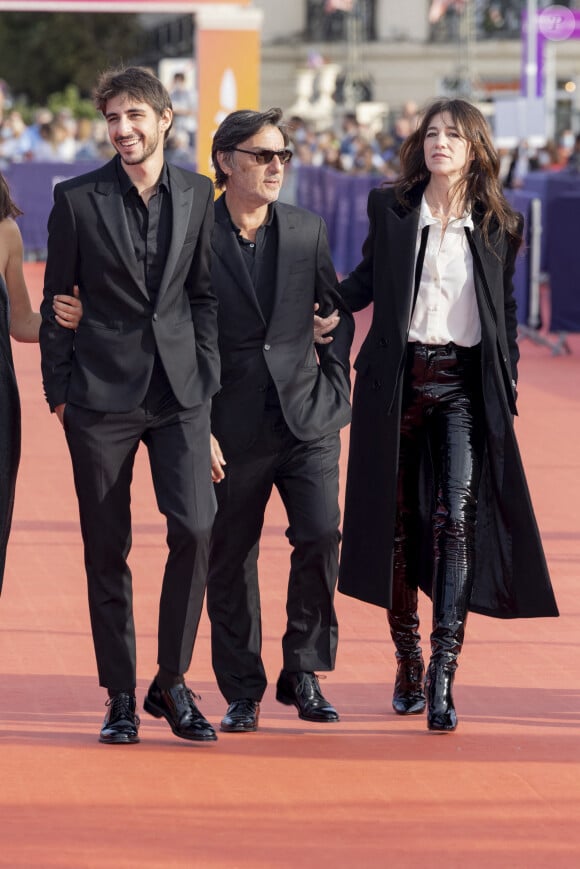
436,495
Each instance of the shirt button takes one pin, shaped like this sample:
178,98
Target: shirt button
266,346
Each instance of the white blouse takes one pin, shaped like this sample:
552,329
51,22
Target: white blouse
446,308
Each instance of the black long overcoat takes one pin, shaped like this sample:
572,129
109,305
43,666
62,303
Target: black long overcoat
512,578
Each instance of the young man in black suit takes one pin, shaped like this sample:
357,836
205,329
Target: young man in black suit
143,365
276,422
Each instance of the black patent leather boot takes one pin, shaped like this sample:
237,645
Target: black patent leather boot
441,713
408,694
451,597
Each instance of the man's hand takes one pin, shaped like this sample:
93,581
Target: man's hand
59,410
68,310
324,325
217,461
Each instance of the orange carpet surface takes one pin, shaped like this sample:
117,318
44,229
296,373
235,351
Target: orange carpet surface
374,790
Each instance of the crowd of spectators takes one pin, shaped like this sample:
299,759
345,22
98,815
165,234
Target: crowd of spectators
60,137
351,146
363,150
347,146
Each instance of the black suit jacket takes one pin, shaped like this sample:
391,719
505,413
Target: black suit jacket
106,365
312,383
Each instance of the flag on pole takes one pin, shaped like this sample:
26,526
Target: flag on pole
338,6
438,8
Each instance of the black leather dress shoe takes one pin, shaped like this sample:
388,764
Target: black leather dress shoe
178,707
303,691
241,717
121,724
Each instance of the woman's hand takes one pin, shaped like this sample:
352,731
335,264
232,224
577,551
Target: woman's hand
217,461
68,310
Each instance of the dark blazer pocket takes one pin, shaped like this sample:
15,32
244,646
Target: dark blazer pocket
300,265
97,325
311,360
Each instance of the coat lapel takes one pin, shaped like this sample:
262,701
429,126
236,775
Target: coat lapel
402,226
488,269
182,203
287,222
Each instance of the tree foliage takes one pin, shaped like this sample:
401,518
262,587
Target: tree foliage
43,53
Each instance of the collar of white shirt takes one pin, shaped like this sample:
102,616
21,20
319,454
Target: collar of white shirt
427,219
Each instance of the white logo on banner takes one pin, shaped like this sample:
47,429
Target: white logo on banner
228,95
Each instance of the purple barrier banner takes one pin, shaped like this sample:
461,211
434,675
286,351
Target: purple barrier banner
341,200
563,213
31,187
548,186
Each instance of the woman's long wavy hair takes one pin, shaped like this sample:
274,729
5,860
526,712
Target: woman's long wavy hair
479,188
7,206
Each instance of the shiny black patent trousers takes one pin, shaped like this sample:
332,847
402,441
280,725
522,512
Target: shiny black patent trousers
442,422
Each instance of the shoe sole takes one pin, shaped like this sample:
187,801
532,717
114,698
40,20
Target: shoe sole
125,740
157,712
410,711
433,728
290,701
240,729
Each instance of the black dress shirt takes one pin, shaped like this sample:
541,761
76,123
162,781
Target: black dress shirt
261,258
150,231
149,226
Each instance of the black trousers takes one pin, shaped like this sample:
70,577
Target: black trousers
306,476
103,448
442,416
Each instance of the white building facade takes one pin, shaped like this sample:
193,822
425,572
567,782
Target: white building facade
474,49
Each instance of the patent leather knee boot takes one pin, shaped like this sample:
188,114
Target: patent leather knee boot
408,694
450,613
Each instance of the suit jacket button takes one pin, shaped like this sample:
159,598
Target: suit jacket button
383,342
155,317
376,384
266,346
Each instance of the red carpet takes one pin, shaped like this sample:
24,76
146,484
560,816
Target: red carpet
374,790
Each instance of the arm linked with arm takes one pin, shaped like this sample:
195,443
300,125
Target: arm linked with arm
329,299
510,306
56,341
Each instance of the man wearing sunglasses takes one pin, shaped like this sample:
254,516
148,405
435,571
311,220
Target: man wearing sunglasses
275,422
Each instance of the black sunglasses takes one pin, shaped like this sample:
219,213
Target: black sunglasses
264,155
